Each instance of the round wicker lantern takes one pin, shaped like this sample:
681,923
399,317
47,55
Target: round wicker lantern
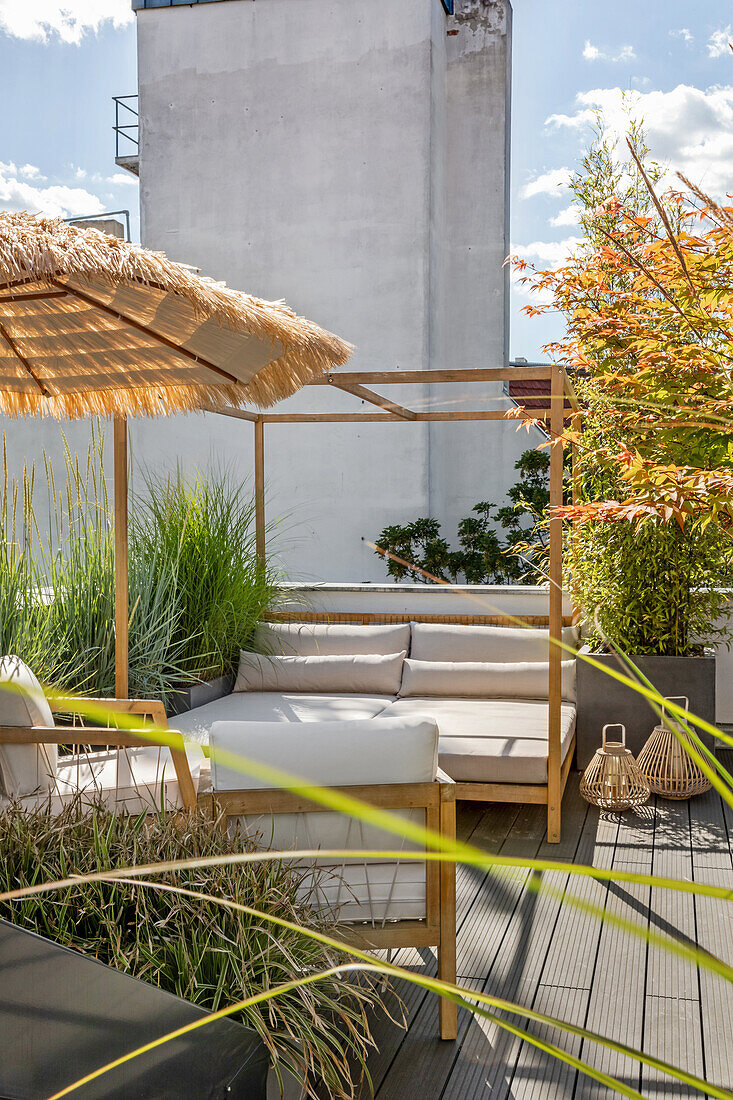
613,780
668,768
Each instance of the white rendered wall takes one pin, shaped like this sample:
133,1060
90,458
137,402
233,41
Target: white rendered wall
350,156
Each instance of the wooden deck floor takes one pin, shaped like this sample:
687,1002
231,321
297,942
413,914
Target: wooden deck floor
538,950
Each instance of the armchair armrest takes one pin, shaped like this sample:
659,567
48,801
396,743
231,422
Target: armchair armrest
151,707
116,738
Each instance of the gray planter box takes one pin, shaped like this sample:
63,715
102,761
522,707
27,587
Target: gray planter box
602,699
195,695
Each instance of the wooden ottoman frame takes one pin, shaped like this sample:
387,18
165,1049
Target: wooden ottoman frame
438,799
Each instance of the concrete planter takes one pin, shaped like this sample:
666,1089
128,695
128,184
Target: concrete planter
602,699
292,1089
195,695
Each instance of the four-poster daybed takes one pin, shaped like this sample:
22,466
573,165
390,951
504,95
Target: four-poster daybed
562,405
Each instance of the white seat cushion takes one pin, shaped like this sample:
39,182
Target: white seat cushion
483,679
490,740
24,768
350,890
468,642
402,749
132,784
368,673
274,706
310,639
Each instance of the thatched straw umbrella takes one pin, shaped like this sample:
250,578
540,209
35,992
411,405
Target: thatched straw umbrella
93,326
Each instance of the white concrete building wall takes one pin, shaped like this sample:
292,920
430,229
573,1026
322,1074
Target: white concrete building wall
350,156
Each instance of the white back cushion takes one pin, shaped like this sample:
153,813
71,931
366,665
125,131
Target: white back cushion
484,679
310,639
449,642
390,750
24,769
361,672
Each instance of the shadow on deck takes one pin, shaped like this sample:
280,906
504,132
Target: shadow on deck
539,950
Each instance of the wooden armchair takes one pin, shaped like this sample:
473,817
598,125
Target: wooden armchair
380,903
26,723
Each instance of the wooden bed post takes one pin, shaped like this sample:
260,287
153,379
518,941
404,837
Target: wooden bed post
447,1011
260,489
554,754
121,559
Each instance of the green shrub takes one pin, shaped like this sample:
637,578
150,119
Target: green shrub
482,557
202,532
202,951
196,586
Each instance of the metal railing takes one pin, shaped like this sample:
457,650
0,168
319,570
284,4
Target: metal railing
101,215
127,126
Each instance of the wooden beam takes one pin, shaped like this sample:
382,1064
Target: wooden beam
34,297
366,617
238,414
121,558
399,377
76,735
570,390
390,418
148,332
554,706
374,398
22,360
259,441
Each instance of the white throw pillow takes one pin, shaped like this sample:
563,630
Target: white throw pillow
323,639
349,673
24,769
483,679
456,642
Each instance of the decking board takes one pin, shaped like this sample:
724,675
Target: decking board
540,950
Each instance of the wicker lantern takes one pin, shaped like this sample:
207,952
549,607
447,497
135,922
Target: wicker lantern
613,780
667,766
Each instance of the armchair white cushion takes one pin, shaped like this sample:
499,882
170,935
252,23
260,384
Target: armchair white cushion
33,776
331,754
24,769
376,751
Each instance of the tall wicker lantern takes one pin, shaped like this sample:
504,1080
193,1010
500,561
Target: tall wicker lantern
613,780
668,768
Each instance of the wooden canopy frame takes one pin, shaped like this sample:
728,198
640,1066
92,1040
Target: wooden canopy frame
563,405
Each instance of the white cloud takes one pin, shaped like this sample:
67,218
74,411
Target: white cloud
549,253
568,216
684,33
549,183
640,81
593,53
122,179
690,129
67,20
57,200
30,172
719,42
541,254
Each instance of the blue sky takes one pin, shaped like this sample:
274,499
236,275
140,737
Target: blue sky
62,61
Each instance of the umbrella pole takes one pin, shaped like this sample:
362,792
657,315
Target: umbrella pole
121,558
